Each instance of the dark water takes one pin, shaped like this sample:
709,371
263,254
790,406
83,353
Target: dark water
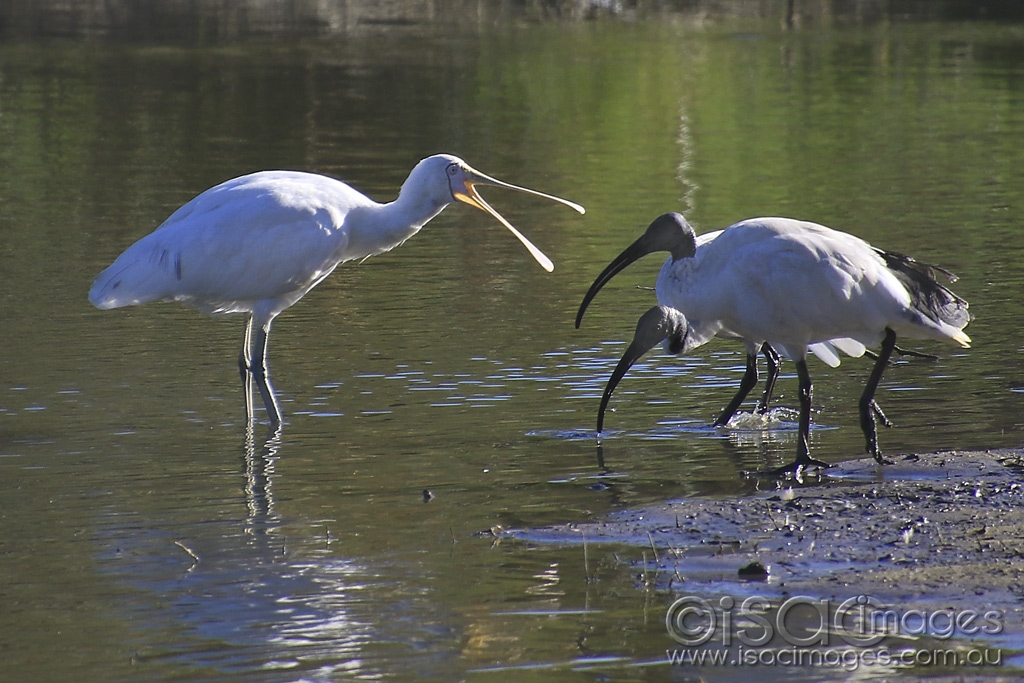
146,533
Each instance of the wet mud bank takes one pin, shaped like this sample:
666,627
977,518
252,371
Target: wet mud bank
940,531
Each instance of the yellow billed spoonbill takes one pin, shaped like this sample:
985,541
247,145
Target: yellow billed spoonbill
256,244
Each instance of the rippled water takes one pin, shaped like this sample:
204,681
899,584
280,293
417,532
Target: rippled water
147,533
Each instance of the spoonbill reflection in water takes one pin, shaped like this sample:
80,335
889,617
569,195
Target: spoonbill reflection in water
797,286
256,244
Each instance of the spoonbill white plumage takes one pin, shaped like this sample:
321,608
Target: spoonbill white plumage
797,286
256,244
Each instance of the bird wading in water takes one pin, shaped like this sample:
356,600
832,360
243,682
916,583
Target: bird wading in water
750,375
674,297
256,244
796,286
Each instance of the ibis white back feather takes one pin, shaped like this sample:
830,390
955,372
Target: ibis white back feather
799,286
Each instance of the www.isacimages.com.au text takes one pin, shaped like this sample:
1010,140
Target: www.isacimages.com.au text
848,659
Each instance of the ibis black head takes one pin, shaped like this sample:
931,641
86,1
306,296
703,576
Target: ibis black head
669,232
659,324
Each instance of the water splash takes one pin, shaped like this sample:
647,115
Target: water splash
774,419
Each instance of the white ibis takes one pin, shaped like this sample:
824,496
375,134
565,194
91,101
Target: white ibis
797,286
256,244
666,297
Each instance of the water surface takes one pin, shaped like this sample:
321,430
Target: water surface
147,532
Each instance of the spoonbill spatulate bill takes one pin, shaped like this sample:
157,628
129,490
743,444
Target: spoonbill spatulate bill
797,286
256,244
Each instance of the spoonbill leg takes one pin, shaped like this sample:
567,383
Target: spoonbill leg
252,364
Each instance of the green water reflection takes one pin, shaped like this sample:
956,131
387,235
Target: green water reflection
450,364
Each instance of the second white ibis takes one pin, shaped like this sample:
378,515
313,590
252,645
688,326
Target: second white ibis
797,286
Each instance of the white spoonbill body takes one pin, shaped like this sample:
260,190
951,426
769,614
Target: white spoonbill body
256,244
797,286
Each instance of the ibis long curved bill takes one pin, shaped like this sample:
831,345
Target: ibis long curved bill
660,236
659,324
463,182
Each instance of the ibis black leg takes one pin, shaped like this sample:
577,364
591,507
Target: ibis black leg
806,392
746,384
868,408
771,358
749,381
903,352
803,449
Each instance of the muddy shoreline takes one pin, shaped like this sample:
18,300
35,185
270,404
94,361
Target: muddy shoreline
932,531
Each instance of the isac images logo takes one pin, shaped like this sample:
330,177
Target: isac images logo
803,630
